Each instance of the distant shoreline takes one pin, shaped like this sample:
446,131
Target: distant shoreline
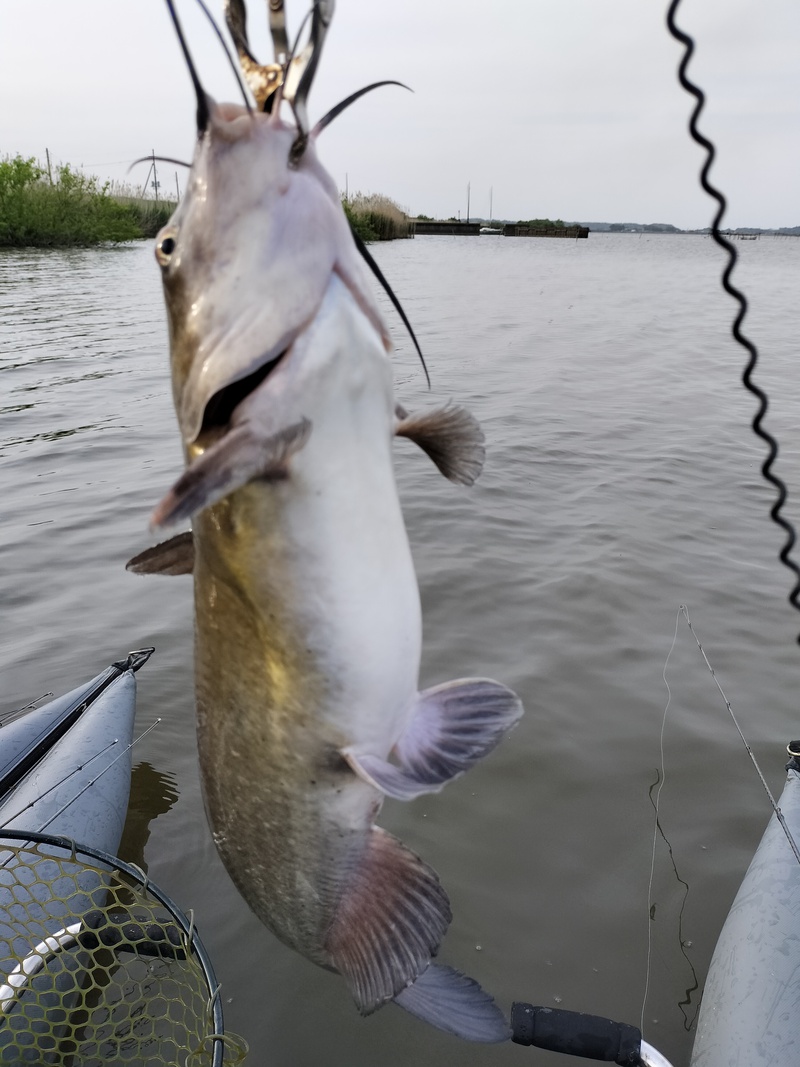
663,227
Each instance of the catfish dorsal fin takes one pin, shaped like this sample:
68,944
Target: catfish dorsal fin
175,556
390,920
451,436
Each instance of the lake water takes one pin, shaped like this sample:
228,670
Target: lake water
621,482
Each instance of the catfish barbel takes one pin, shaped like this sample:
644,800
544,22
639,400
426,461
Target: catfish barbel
307,613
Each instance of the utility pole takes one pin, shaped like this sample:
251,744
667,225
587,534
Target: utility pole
177,187
143,193
49,171
155,175
468,185
491,216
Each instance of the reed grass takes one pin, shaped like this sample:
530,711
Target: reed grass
377,218
69,209
151,215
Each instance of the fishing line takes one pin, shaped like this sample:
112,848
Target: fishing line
688,1020
739,297
61,781
9,715
655,801
775,808
90,783
76,770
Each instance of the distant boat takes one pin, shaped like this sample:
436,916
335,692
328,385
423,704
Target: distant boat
491,229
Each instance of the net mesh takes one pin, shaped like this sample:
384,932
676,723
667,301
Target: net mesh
95,969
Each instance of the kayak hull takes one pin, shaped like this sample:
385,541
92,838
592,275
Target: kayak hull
751,1004
80,783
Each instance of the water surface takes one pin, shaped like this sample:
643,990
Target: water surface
621,482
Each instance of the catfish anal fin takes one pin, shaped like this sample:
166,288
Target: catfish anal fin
390,920
451,436
175,556
454,725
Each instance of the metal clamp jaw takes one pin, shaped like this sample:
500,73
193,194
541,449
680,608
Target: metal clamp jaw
292,71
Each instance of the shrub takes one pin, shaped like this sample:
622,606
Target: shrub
541,224
376,218
73,209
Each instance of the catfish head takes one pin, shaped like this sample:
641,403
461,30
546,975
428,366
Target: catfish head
246,262
247,258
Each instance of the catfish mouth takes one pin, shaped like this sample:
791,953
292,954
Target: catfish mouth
221,408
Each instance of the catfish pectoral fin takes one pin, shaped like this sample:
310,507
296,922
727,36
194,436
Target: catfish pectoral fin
453,726
452,1001
242,455
451,436
389,922
175,556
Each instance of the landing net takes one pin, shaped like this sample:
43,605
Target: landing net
98,965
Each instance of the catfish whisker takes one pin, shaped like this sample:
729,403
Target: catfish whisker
224,43
203,112
376,270
340,107
158,159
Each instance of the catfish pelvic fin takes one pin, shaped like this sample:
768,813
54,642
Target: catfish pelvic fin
451,1001
239,457
454,725
390,920
175,556
451,436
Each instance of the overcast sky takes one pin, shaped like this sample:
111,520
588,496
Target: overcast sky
565,108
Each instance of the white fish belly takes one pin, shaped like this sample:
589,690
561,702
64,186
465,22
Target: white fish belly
337,538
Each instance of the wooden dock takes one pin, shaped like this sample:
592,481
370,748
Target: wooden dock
451,228
513,230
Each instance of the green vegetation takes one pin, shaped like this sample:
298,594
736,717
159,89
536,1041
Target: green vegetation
150,215
69,209
542,224
376,218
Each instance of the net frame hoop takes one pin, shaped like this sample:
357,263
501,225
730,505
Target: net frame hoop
186,925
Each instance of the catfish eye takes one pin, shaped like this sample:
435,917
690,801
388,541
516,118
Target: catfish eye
165,246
